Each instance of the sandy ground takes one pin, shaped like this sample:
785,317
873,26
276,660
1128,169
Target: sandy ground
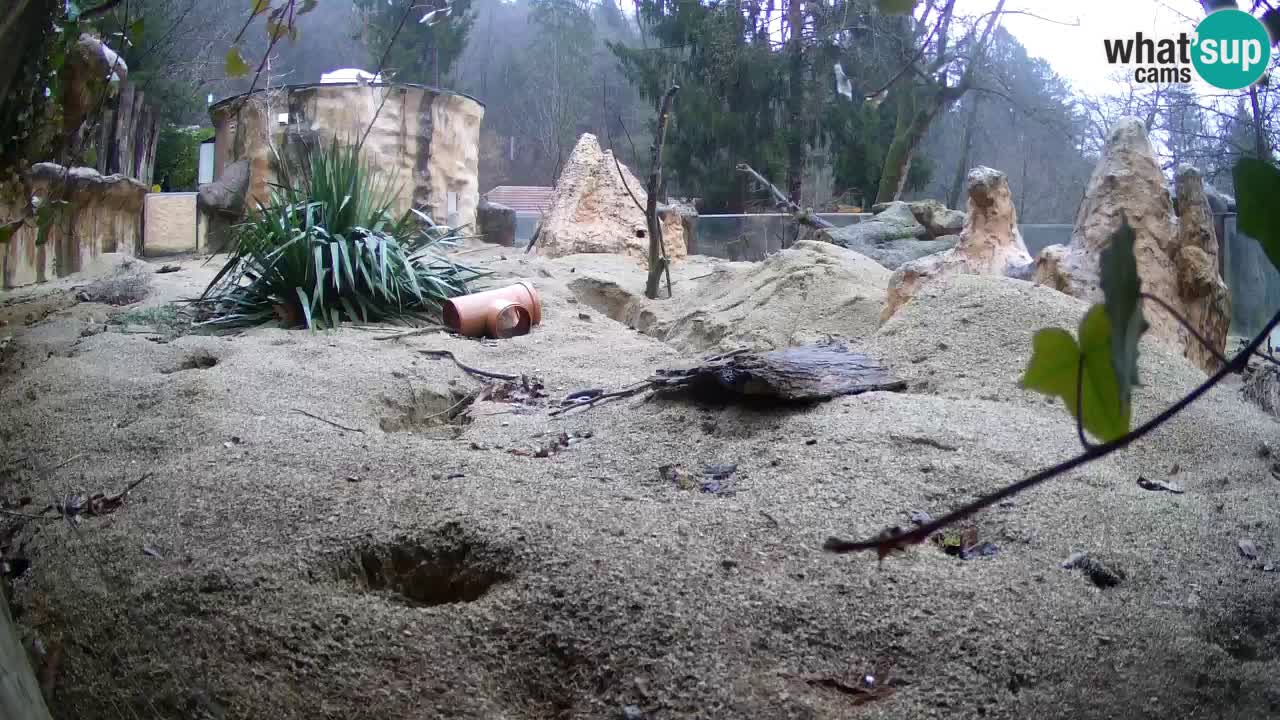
276,566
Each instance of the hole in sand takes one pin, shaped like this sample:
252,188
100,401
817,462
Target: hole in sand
615,302
451,567
424,410
196,361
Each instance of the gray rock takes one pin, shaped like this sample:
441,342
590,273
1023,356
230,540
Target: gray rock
223,204
225,196
497,223
896,253
894,222
891,238
937,219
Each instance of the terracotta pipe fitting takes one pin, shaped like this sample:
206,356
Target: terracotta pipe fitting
490,312
507,319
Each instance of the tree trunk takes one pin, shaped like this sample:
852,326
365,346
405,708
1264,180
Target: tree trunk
25,29
966,147
657,253
1260,147
897,161
795,110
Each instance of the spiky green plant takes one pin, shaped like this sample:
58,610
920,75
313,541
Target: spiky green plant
328,248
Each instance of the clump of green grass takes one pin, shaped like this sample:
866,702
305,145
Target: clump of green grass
328,249
168,320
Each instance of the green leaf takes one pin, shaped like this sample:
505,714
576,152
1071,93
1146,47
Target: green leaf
1257,187
276,29
1055,362
1106,413
235,65
135,30
896,7
1054,370
1121,288
259,6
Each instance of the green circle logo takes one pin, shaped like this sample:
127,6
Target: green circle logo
1232,49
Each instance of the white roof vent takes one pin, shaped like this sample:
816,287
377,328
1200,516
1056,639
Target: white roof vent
349,75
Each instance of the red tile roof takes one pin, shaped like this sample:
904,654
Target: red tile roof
522,198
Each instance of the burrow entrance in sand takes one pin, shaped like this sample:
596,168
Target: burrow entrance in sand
196,361
422,409
449,566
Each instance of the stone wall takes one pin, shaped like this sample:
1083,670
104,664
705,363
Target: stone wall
103,214
171,224
428,140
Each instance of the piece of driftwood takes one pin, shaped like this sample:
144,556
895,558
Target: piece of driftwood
783,202
806,373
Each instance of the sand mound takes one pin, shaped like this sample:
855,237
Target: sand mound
279,566
970,336
809,291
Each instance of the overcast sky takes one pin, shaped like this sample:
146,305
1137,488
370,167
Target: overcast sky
1075,51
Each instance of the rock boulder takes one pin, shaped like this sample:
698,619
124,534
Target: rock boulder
1177,255
596,209
223,203
938,220
497,223
891,238
989,244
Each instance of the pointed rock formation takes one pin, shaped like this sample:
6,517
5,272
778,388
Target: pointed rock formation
594,210
1205,298
1177,256
989,244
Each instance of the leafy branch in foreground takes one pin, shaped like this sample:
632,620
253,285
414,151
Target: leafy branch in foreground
327,249
1095,375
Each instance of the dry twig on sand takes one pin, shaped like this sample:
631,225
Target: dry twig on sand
468,369
327,421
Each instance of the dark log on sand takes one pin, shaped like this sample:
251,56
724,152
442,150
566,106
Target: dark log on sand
807,373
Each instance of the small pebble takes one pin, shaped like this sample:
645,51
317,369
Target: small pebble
1073,561
1248,550
811,441
632,712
